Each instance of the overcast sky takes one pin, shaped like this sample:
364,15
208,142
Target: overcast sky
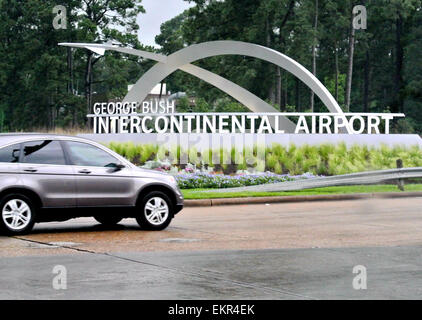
157,12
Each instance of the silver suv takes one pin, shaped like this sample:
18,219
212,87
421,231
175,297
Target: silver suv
56,178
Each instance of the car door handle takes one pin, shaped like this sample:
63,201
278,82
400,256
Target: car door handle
84,171
30,170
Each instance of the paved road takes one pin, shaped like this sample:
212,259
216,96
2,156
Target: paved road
277,251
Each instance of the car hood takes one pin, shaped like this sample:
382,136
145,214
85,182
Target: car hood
142,172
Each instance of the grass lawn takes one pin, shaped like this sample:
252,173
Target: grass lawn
194,194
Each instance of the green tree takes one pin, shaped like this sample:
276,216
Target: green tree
106,21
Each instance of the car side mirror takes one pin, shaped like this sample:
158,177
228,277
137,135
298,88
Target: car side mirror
120,166
116,167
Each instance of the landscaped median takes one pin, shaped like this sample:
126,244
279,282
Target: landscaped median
294,160
280,164
195,197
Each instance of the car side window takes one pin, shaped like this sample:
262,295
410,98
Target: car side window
10,154
84,154
43,152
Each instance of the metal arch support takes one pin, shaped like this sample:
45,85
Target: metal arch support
214,48
251,101
100,48
182,59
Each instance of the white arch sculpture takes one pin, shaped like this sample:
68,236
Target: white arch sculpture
182,60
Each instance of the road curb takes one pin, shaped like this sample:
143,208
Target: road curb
282,199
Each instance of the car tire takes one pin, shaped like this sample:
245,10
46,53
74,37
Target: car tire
17,214
155,211
108,220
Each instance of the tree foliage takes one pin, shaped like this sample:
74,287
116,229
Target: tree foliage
386,70
43,85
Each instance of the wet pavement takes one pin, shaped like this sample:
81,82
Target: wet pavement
275,251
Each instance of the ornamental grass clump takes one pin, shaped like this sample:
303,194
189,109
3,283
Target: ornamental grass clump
324,159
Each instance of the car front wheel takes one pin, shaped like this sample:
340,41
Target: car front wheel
17,214
155,211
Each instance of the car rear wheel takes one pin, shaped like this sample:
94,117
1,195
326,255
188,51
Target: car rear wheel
17,214
108,220
155,211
